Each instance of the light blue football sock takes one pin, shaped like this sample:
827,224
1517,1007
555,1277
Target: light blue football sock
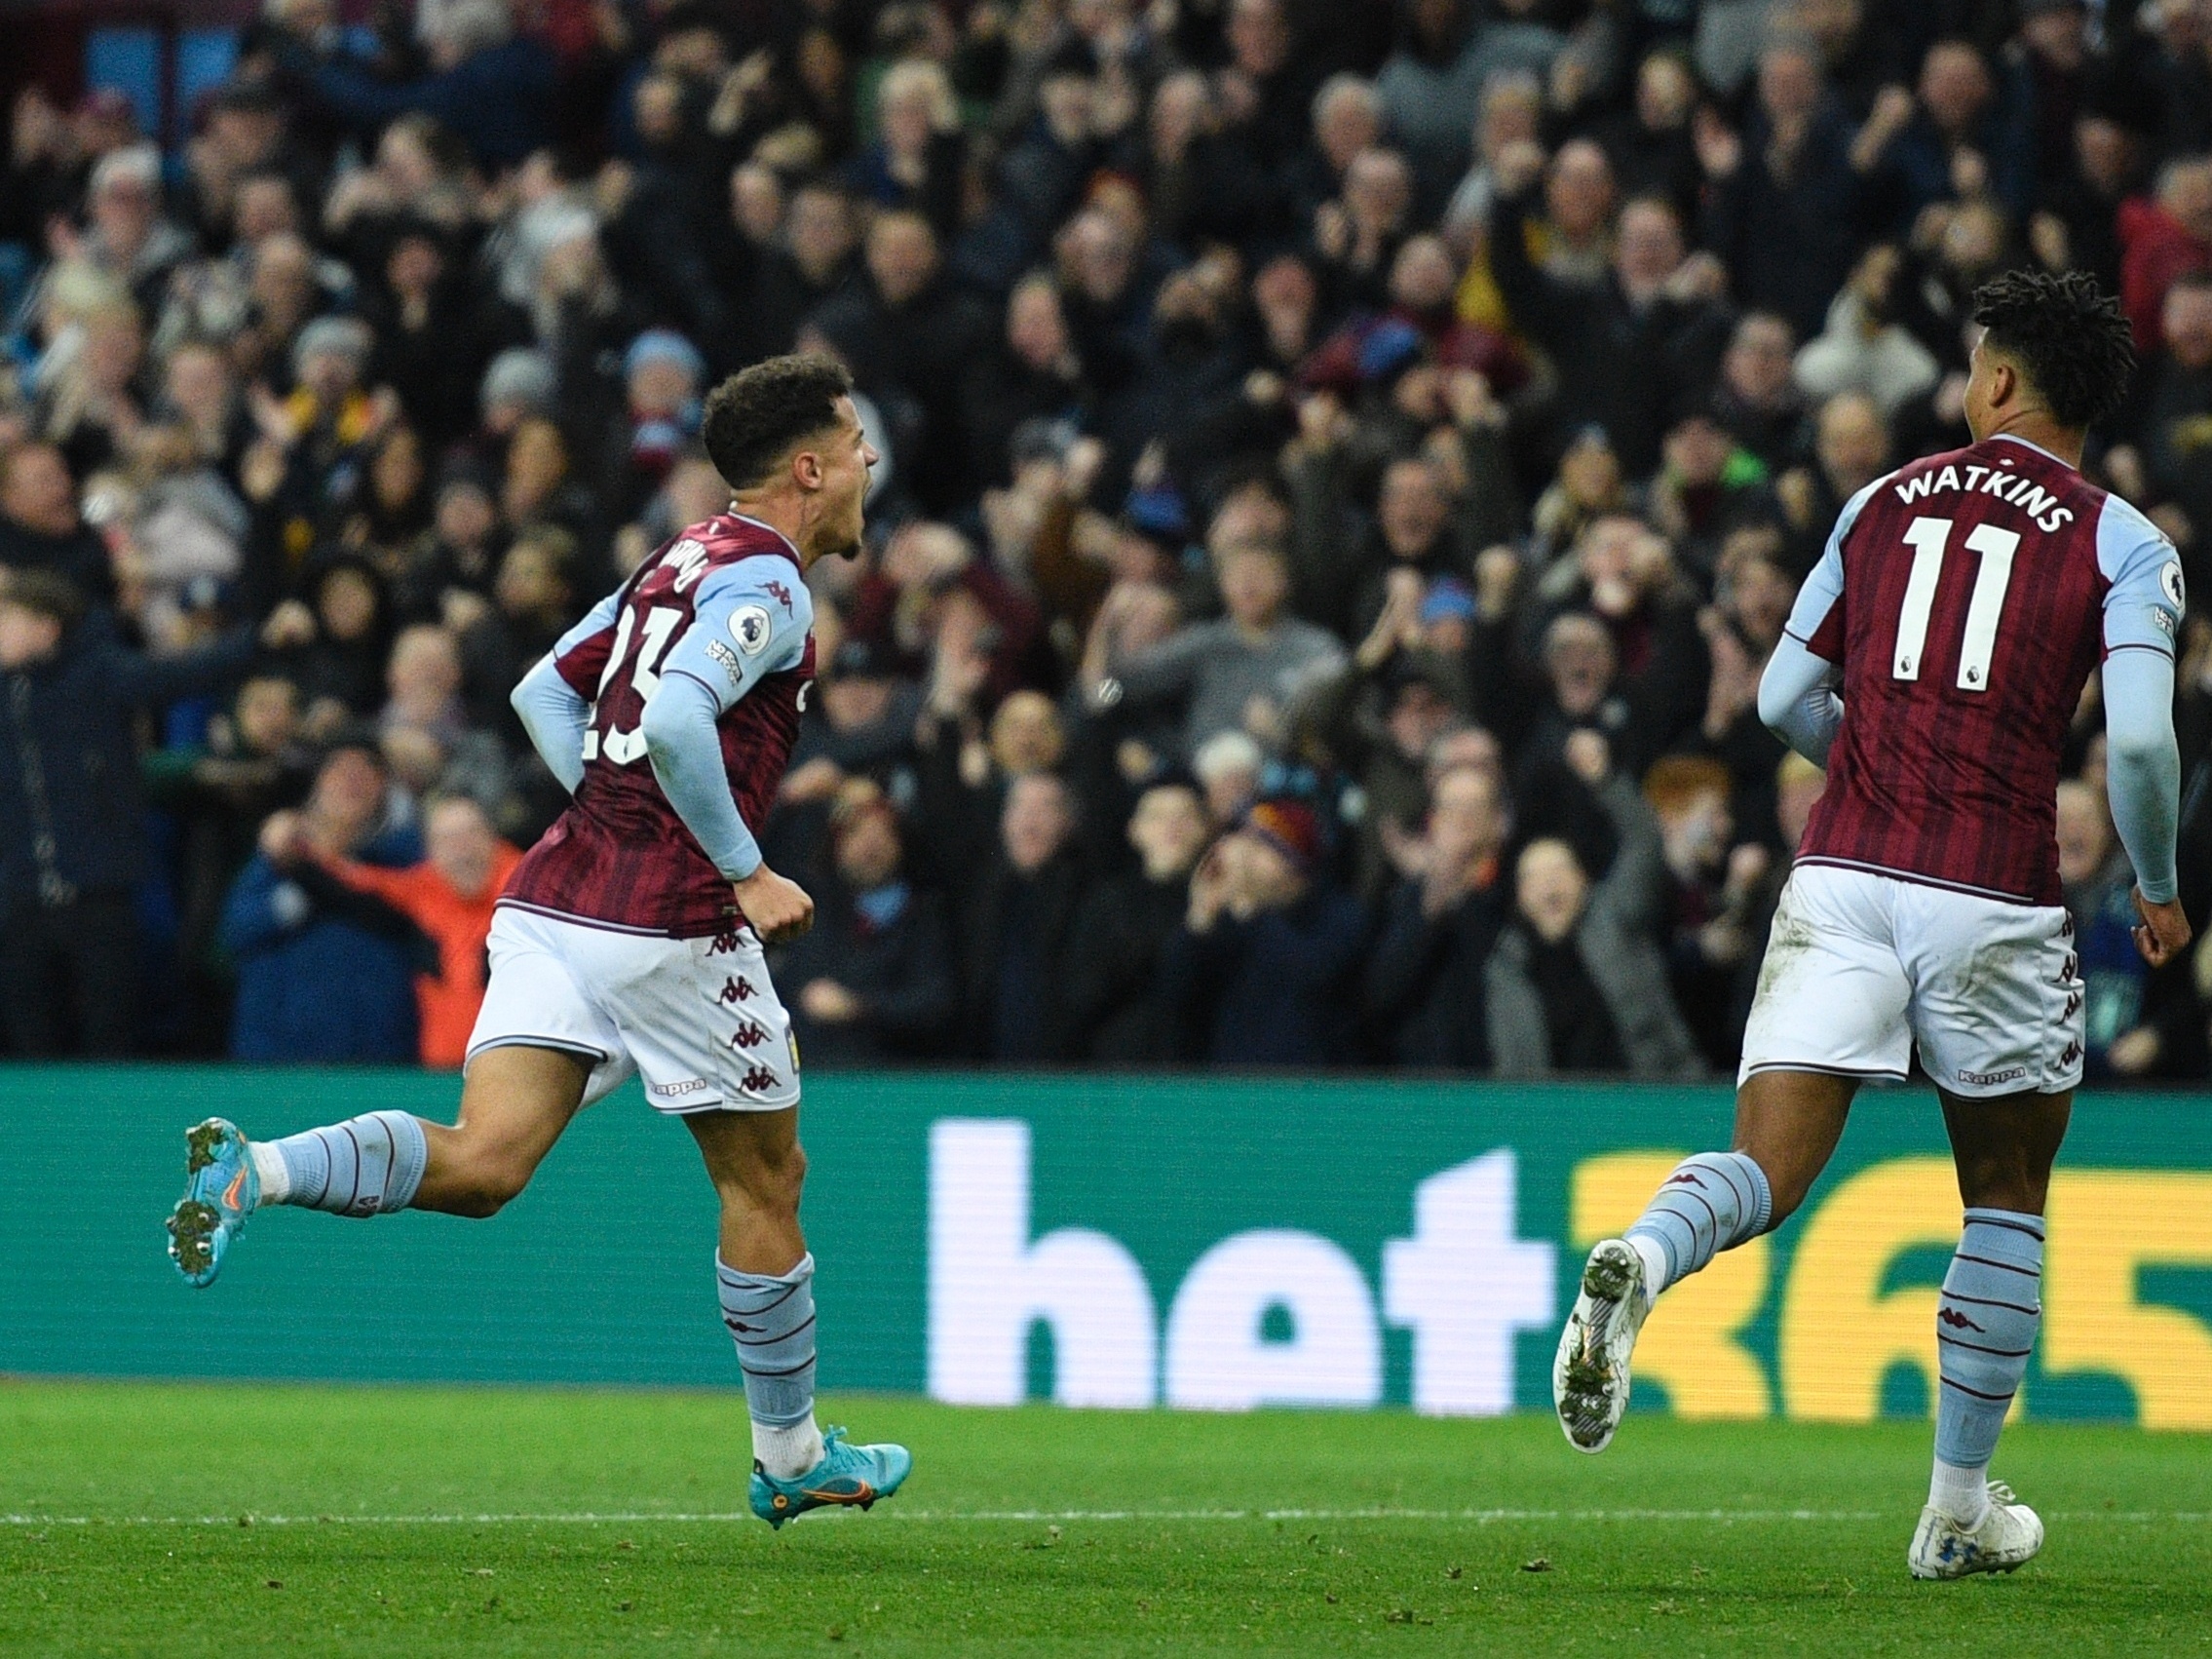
1712,1202
1985,1326
771,1318
365,1166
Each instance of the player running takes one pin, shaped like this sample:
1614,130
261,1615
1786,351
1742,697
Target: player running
629,937
1933,664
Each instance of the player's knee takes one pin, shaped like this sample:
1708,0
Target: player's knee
784,1178
490,1180
770,1183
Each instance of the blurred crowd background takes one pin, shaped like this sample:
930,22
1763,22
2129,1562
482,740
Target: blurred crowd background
1344,466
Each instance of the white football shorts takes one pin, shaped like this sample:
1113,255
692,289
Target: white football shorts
696,1017
1859,965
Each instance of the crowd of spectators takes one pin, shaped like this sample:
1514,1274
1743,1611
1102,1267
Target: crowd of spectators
1344,466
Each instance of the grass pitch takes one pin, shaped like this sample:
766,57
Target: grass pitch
231,1520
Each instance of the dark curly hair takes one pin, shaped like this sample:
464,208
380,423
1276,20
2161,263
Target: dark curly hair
754,418
2071,340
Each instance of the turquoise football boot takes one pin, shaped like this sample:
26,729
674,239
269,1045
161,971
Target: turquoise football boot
221,1187
846,1477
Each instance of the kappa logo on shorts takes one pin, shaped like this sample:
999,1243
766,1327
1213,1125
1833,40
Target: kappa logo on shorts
1991,1079
2073,1053
677,1091
758,1081
2073,1005
737,989
725,942
749,1035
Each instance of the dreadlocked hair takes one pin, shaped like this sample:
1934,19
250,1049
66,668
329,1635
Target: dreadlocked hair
2072,340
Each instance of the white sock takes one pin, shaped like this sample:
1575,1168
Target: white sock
1963,1494
787,1451
1654,1267
269,1163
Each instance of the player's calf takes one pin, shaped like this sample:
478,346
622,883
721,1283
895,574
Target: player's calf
1709,1203
1986,1322
363,1166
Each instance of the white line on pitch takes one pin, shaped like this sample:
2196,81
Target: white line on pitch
1483,1517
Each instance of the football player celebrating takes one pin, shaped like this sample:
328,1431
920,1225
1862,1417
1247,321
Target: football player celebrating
629,937
1932,665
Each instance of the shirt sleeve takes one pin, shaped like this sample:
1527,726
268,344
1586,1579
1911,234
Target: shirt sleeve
2145,597
748,620
2143,764
1816,620
745,624
1797,702
554,714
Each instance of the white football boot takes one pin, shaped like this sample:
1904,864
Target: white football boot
2010,1536
1590,1379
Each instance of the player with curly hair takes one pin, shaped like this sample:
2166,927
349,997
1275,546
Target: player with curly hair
629,940
1932,666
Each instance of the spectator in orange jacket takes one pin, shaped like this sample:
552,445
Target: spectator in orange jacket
449,895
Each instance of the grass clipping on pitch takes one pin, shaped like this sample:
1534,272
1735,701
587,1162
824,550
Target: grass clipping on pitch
184,1519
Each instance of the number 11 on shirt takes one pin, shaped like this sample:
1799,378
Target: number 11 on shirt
1929,538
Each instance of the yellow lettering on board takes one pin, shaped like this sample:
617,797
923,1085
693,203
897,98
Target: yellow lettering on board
2107,1225
1690,1346
1838,1333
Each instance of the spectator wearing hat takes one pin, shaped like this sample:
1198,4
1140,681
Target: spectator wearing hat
327,975
874,975
127,238
72,830
1117,1013
1425,983
1577,982
1265,966
662,376
518,384
1377,718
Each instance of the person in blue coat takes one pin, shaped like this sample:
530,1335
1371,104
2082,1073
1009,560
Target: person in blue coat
324,974
1265,965
72,819
494,91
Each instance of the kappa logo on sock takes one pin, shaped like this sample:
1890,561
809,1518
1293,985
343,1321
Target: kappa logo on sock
1957,1320
1684,1177
736,990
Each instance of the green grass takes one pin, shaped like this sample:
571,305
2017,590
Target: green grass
423,1522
